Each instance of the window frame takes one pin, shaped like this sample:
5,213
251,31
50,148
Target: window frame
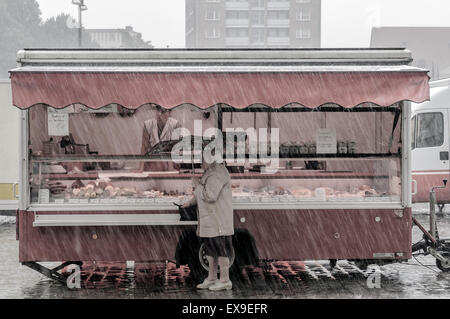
417,130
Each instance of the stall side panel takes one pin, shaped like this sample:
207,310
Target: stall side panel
322,234
99,243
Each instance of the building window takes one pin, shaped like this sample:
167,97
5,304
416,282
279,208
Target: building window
257,4
257,36
303,33
237,15
278,15
212,33
274,33
257,18
212,15
237,32
303,15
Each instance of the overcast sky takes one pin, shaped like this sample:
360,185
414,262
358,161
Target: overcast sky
345,23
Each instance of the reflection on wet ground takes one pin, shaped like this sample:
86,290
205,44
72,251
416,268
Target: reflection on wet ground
293,279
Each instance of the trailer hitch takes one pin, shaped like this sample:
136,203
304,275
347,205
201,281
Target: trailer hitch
432,244
52,273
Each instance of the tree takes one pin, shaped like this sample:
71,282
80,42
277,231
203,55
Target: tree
56,33
20,22
21,26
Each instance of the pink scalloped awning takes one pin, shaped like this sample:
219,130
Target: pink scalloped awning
239,90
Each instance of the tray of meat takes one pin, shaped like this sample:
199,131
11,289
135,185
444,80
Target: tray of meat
301,192
56,188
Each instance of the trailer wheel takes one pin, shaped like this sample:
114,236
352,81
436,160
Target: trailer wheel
443,266
236,262
244,253
204,262
190,251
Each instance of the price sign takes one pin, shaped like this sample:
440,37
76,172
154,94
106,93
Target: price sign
326,141
58,122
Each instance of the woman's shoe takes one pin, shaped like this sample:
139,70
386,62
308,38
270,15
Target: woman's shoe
207,283
219,285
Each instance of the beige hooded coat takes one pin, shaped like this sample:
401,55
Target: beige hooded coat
214,200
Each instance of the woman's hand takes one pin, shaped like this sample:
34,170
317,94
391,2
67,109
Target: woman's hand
189,203
185,205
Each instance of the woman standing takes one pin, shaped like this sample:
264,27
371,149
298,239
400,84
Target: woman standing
212,194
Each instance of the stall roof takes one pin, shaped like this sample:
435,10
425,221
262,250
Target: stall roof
206,77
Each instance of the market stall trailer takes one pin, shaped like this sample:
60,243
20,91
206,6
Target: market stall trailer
322,171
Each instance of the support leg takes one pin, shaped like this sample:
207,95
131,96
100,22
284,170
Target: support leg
441,209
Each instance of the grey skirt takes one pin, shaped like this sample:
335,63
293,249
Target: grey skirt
221,246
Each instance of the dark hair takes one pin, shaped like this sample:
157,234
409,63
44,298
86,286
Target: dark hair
161,109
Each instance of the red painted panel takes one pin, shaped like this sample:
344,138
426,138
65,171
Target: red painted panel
139,243
281,234
325,234
424,184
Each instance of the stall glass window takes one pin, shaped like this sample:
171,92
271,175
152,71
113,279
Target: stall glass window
111,155
430,130
82,156
365,165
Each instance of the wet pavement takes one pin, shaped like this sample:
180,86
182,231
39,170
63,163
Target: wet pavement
417,278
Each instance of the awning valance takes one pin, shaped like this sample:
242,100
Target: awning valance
308,87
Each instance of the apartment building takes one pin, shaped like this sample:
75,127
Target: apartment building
253,23
117,38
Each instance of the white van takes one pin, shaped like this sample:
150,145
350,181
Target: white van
9,150
430,144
